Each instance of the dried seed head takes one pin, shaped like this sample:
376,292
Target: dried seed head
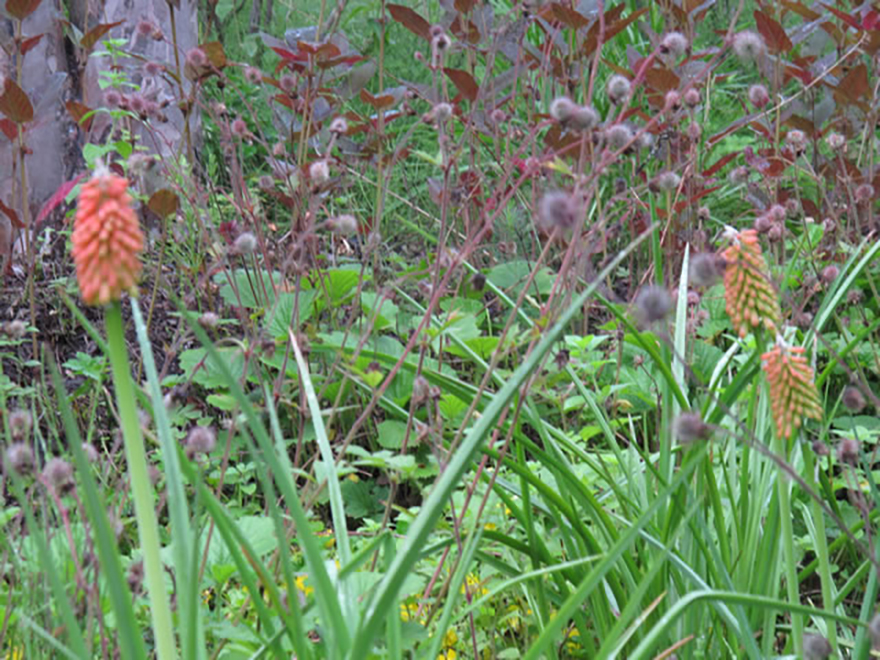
704,214
441,112
653,304
835,141
562,108
864,193
153,69
135,577
672,101
561,359
816,647
343,224
421,387
618,136
644,141
830,273
20,424
145,28
618,88
829,225
209,320
239,128
667,181
266,183
339,125
137,104
690,428
246,243
201,440
692,98
705,269
748,46
58,474
20,457
759,96
739,175
113,98
14,329
792,207
777,213
694,131
558,210
478,281
797,139
319,171
853,399
253,75
855,297
848,451
90,452
196,58
287,82
441,42
776,233
583,118
674,43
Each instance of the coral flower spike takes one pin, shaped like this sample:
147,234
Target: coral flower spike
107,239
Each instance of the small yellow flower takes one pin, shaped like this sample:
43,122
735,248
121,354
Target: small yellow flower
450,638
302,586
474,585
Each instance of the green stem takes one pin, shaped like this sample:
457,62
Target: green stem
821,546
141,489
791,572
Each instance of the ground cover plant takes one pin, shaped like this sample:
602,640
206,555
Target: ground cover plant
462,329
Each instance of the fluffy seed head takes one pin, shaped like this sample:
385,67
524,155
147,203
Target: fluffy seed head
90,452
777,213
196,58
58,474
797,139
694,131
246,243
319,171
266,182
239,128
618,88
830,273
758,96
706,269
137,104
692,98
339,126
653,304
848,451
20,457
816,647
253,75
739,175
106,240
853,399
776,233
645,140
287,82
667,181
13,329
690,428
584,118
153,69
343,224
835,141
441,112
864,193
145,28
201,440
112,98
672,101
561,108
674,43
618,136
558,210
209,320
748,46
20,423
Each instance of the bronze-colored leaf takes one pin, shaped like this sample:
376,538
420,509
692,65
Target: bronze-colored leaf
465,30
565,15
846,18
9,129
216,54
92,37
29,43
377,102
78,112
12,215
661,79
21,9
464,82
801,10
411,21
855,86
163,203
464,6
773,33
15,104
613,27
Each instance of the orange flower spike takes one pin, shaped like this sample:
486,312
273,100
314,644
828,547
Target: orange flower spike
792,390
107,239
750,299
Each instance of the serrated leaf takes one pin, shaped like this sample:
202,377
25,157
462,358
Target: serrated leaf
15,104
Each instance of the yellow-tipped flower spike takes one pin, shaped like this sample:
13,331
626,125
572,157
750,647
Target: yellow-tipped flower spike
793,393
107,240
751,299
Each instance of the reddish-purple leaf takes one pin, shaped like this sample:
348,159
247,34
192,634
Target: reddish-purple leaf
855,86
464,82
12,215
15,104
29,43
557,11
613,27
57,198
92,37
801,10
163,203
21,9
871,20
464,6
78,112
411,21
9,129
724,160
773,33
846,18
377,102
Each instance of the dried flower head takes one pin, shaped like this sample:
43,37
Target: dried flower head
343,224
848,451
209,320
137,104
20,457
705,269
20,424
339,125
694,131
440,113
319,171
673,43
797,140
239,128
750,298
618,136
830,273
135,577
106,240
478,281
145,28
153,69
287,82
583,118
739,175
759,96
200,440
667,181
793,393
692,98
835,141
562,108
816,647
253,75
653,304
864,193
644,140
689,428
672,101
112,98
196,58
853,399
14,329
748,46
618,88
58,475
559,210
90,452
266,183
246,243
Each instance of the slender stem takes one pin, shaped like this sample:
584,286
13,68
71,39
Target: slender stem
791,572
821,548
142,490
